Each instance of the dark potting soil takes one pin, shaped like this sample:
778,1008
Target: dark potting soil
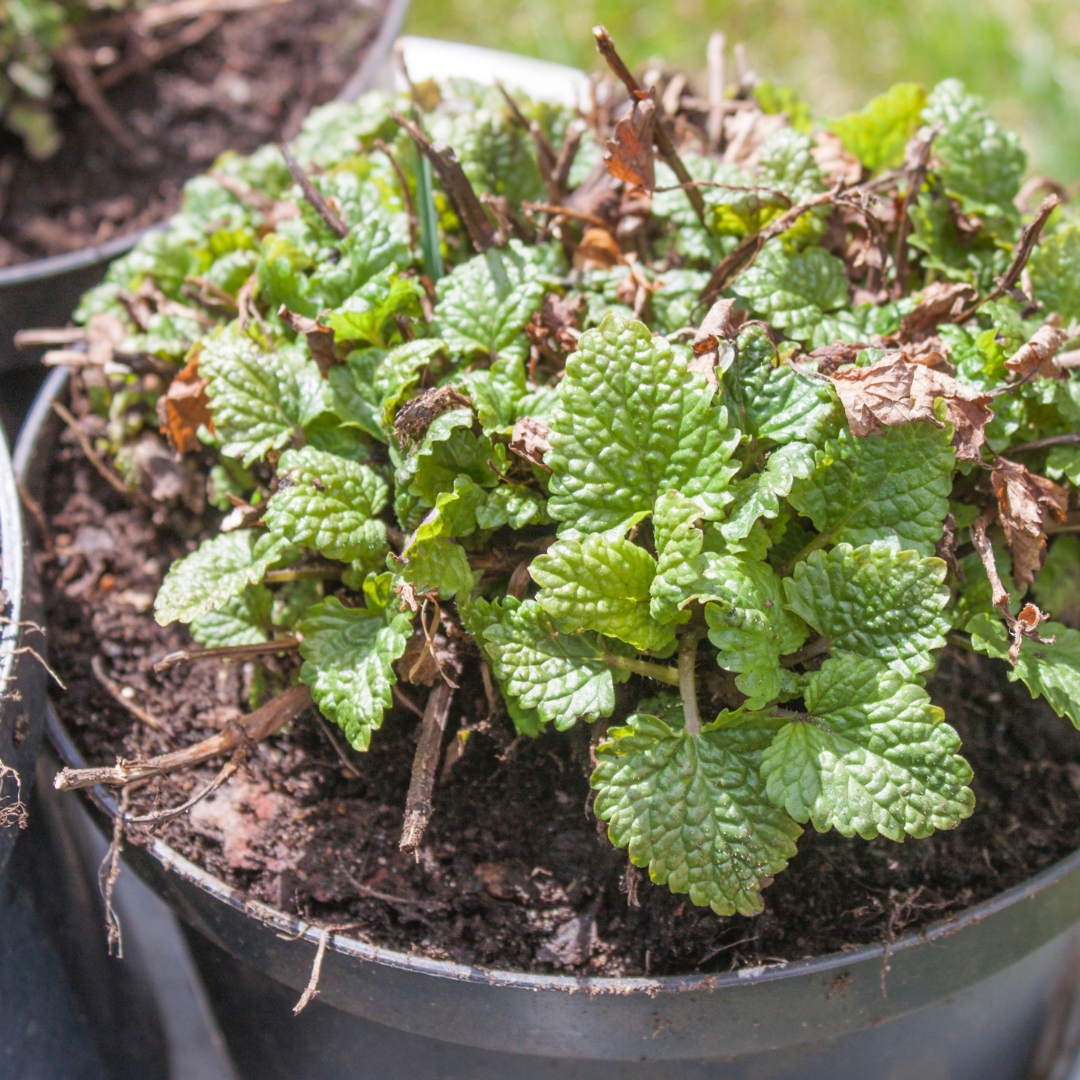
513,871
250,81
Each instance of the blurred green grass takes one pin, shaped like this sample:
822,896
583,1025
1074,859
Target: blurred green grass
1022,56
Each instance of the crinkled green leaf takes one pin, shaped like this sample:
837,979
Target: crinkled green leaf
367,317
1064,461
1054,267
484,304
982,164
794,292
750,626
786,162
694,809
874,602
768,400
633,422
759,495
242,621
348,653
601,583
436,564
871,756
221,568
258,399
513,505
395,379
892,487
324,502
775,98
562,676
878,134
1051,671
679,544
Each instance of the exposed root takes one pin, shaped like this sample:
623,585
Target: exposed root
228,770
14,813
108,872
116,692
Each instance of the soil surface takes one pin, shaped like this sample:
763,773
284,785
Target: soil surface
250,81
513,871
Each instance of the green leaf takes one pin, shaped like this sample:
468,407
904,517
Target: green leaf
242,621
436,564
513,505
1064,461
397,377
750,626
1057,584
601,584
786,162
367,317
694,809
871,756
767,400
793,292
982,165
258,399
632,423
759,495
877,135
1048,671
679,544
484,304
221,568
348,653
562,676
777,98
1054,267
325,502
892,487
874,602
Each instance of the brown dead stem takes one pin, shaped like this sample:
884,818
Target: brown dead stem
116,692
418,807
313,195
228,652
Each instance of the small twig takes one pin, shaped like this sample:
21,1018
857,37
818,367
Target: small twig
325,727
313,195
76,64
170,11
253,728
571,142
403,699
743,255
915,177
228,652
607,50
228,770
1029,237
717,82
1072,438
425,764
116,692
151,51
312,987
481,232
406,194
565,211
47,335
94,458
33,508
108,872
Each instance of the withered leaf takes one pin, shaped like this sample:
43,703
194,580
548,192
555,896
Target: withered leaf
595,197
945,548
1037,355
320,339
529,440
629,152
1024,503
940,302
717,326
895,391
184,407
827,358
598,249
833,160
416,416
552,323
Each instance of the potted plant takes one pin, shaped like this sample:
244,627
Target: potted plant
106,109
668,447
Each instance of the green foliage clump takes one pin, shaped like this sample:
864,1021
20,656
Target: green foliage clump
728,517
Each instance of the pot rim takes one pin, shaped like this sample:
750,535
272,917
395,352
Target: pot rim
28,448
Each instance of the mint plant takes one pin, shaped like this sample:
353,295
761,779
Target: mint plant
717,467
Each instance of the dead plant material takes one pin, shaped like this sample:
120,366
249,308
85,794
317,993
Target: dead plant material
1025,501
530,441
253,728
1035,358
918,160
629,152
235,653
313,195
12,813
184,408
320,339
418,414
418,808
95,459
78,69
127,700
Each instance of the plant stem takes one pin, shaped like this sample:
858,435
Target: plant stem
660,672
418,801
310,573
819,541
687,683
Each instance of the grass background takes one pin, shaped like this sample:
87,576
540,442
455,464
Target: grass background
1022,56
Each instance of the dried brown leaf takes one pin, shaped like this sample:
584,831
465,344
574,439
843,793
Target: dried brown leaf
940,303
1037,356
629,152
1025,501
833,160
416,416
184,407
530,440
320,339
598,249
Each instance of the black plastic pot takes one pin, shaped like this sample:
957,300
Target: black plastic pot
22,675
969,997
